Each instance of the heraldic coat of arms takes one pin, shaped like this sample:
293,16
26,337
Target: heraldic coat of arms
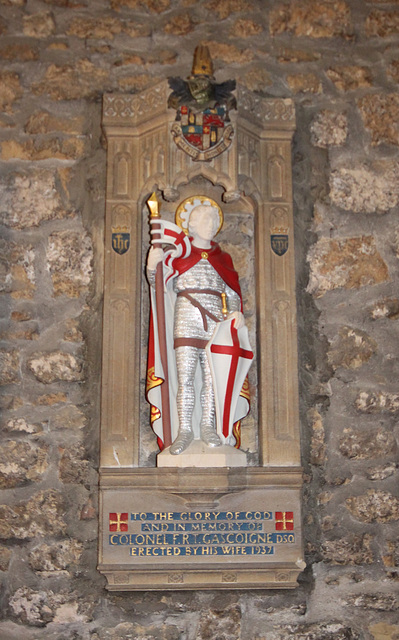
202,128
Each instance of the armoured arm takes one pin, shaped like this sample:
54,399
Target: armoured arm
155,255
234,307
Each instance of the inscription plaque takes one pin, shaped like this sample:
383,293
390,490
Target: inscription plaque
244,528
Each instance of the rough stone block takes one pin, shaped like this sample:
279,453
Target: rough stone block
351,348
17,274
73,468
349,78
384,631
329,129
49,399
30,333
377,402
286,55
31,197
393,70
69,417
391,554
154,6
382,23
365,445
381,472
42,515
304,83
69,259
137,82
73,333
19,51
38,608
10,90
10,402
318,445
364,190
380,114
103,27
45,122
60,149
88,511
374,506
306,18
327,631
57,365
123,630
256,78
73,82
22,426
5,558
180,25
9,366
375,602
245,28
224,8
57,557
350,550
345,262
39,25
388,308
21,462
217,622
229,53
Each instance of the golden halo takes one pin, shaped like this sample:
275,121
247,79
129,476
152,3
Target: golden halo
184,209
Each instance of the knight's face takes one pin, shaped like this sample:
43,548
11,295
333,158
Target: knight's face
203,225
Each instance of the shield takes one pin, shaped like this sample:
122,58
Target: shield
279,243
203,135
205,129
230,356
120,241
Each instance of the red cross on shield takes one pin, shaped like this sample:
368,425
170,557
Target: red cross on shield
230,356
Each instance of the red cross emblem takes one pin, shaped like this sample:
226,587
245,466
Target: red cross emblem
284,521
118,521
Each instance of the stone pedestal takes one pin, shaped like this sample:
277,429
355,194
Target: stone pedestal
199,455
201,528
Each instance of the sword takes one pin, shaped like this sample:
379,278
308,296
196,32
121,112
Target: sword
153,206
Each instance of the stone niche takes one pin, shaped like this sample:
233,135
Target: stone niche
192,528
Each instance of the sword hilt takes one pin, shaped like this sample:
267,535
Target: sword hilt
225,310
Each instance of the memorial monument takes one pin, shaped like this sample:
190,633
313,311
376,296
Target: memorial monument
207,156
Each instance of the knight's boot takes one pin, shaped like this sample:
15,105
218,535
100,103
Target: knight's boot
209,436
183,440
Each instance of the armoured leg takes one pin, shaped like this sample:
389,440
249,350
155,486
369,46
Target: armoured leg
186,363
208,424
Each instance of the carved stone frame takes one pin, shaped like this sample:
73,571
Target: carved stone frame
142,156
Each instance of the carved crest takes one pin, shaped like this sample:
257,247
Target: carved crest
202,128
120,239
279,241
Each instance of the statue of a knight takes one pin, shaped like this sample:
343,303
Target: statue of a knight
199,325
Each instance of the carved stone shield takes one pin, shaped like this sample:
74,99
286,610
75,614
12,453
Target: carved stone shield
120,240
279,243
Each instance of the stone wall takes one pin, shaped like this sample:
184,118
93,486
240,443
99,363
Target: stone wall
339,60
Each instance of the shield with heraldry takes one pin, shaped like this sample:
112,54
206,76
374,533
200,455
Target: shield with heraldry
230,356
